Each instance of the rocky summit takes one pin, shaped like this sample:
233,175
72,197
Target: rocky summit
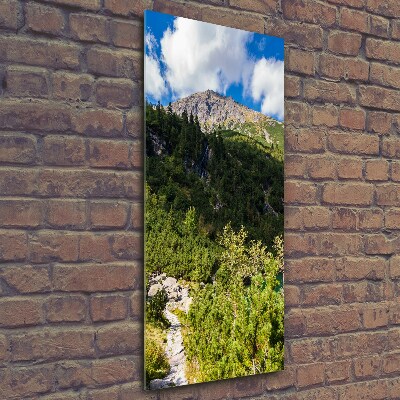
214,110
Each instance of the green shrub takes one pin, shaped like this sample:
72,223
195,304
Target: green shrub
157,365
155,308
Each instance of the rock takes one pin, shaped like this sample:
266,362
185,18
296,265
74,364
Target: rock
154,289
160,384
169,282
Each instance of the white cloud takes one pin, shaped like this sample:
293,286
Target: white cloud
267,85
200,56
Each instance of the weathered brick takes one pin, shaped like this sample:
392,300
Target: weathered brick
385,75
387,195
344,218
26,82
134,122
327,115
108,214
391,147
322,167
137,216
20,213
65,309
47,246
391,363
310,350
395,28
353,345
88,27
63,150
370,219
308,11
379,26
304,35
69,86
117,93
310,270
93,5
10,14
348,143
367,366
300,61
295,166
354,20
351,3
95,278
375,316
310,374
128,7
51,344
352,118
41,18
13,245
360,194
376,170
17,148
392,218
379,244
344,43
304,140
109,153
18,312
119,338
296,113
301,245
115,63
389,8
292,296
292,86
395,173
27,278
126,34
38,52
136,154
66,213
300,193
384,50
339,244
108,308
379,122
330,92
349,168
136,304
322,295
337,371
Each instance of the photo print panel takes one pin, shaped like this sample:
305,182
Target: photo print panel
214,265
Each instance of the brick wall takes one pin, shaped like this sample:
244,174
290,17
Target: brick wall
71,185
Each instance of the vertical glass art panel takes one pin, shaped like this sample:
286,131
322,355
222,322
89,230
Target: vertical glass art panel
214,265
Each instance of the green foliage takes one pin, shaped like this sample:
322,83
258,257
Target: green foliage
237,328
157,365
155,308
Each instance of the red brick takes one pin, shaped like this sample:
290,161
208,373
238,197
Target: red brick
300,193
41,18
93,5
352,268
364,343
26,82
330,92
259,6
352,118
301,245
376,170
95,278
392,218
338,371
292,296
325,115
294,324
379,26
349,168
108,308
322,295
309,375
296,113
126,34
136,154
134,122
108,214
394,270
121,63
11,14
355,69
309,11
27,279
310,350
395,175
18,312
49,246
379,122
391,147
387,195
295,166
385,75
300,61
384,50
395,29
304,35
108,153
90,28
51,344
339,244
304,140
348,143
63,150
350,194
292,86
65,309
136,305
17,148
66,213
20,213
321,167
389,8
379,244
69,86
137,216
344,43
391,363
344,218
38,52
13,245
120,338
370,219
331,66
354,20
332,320
128,7
375,316
116,93
309,270
368,366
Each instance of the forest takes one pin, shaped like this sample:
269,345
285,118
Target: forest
214,222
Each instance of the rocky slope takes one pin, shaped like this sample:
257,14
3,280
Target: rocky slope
213,110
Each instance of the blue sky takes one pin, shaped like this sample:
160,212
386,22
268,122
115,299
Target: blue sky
184,56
